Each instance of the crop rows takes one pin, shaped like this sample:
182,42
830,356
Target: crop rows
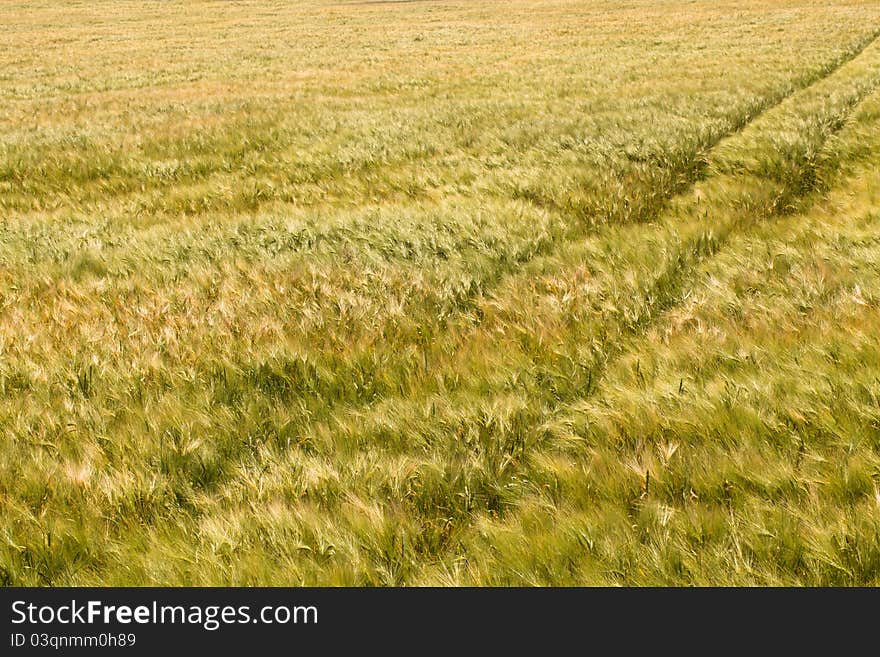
591,305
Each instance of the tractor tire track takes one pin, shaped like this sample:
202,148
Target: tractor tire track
695,170
670,289
663,293
579,228
666,292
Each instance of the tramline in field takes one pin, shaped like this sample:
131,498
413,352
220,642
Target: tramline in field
440,293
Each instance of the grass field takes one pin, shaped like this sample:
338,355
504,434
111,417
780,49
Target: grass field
440,293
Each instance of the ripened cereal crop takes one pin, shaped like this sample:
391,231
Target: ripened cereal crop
450,292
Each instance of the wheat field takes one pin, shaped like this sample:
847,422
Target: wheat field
453,292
